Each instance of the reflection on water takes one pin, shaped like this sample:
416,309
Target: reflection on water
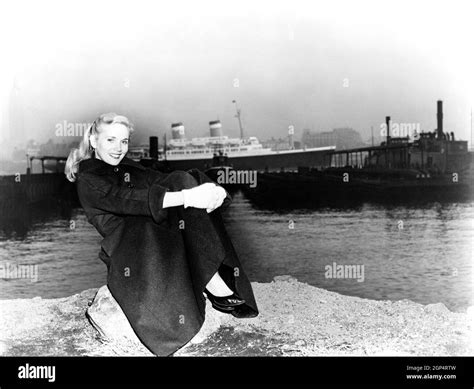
60,241
17,218
421,253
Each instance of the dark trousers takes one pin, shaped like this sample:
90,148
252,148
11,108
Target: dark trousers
208,246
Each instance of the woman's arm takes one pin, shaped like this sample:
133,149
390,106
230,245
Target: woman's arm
100,194
173,199
206,195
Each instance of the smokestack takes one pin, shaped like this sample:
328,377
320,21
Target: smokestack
215,127
177,131
439,116
154,147
387,121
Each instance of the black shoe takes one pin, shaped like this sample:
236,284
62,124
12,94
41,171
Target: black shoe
244,312
224,304
223,310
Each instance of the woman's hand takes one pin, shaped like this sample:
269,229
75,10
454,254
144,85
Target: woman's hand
208,196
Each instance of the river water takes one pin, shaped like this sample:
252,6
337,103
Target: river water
424,254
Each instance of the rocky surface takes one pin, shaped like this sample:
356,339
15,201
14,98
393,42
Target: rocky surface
295,319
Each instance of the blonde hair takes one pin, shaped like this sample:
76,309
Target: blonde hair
85,150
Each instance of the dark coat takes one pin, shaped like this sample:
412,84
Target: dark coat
159,260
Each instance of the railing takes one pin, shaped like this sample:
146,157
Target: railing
30,159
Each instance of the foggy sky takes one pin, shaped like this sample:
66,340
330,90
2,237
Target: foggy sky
296,63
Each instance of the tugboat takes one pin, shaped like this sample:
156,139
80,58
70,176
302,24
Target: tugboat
220,169
434,167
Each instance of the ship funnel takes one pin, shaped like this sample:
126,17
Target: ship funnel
177,131
387,122
215,127
439,116
154,147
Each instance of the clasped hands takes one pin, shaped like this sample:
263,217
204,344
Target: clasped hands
209,196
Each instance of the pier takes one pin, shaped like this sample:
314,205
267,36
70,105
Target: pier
20,190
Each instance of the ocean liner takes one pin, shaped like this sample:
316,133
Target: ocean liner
240,153
180,153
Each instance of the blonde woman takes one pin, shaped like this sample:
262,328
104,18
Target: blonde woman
164,241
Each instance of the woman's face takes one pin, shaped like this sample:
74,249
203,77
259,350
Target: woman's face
111,144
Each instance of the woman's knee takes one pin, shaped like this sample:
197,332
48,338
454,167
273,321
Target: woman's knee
179,179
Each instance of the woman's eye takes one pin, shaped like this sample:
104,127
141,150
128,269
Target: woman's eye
125,142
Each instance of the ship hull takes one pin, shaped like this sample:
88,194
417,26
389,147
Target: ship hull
324,188
287,160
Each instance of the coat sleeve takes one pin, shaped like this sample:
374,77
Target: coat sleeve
97,192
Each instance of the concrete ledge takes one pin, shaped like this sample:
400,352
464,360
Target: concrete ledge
295,319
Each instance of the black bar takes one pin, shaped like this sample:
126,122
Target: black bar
294,372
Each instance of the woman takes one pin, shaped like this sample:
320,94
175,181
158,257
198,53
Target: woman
164,243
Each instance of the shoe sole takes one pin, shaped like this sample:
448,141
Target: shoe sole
225,310
223,306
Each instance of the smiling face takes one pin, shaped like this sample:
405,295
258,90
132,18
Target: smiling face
111,144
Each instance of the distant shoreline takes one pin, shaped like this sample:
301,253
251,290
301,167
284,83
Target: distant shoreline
8,168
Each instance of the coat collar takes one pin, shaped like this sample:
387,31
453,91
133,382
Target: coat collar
100,166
